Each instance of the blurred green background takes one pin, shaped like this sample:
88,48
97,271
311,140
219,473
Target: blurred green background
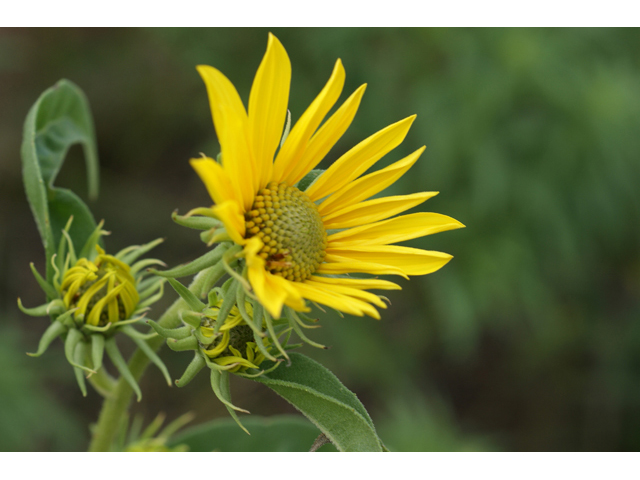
528,340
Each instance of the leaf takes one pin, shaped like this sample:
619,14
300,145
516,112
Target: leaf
326,402
59,119
280,433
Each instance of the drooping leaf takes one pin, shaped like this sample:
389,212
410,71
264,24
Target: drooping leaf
59,119
325,401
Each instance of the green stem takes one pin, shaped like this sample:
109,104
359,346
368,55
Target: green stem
115,406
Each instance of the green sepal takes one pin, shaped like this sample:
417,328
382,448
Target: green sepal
218,379
138,251
54,330
152,288
41,311
202,339
144,284
192,370
309,178
191,318
274,336
151,300
132,332
307,318
205,261
147,262
79,356
148,351
103,383
213,276
95,328
189,343
116,357
295,323
97,350
215,235
67,318
212,297
177,333
258,334
196,223
74,337
187,295
228,301
89,248
72,252
48,289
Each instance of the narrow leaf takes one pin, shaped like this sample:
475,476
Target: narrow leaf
187,295
121,365
205,261
192,370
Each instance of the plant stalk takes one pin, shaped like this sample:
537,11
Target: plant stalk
115,406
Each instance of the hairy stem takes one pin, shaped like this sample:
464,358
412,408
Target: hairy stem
115,406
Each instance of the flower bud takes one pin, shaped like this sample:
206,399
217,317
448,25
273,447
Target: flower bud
94,297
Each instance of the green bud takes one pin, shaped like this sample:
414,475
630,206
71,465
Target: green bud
92,297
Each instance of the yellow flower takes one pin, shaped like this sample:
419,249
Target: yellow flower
102,290
301,245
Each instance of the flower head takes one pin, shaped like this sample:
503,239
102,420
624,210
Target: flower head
227,337
303,234
92,297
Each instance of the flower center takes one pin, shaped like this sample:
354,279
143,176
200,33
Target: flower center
289,225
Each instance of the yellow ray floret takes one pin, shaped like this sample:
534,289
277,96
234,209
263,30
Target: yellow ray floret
300,246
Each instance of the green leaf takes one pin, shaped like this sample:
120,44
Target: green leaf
59,119
326,402
281,433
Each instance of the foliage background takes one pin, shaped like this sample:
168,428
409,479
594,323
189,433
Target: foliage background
527,340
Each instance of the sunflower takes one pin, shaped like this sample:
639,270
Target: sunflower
301,240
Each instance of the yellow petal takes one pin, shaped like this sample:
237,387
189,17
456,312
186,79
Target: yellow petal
358,160
268,107
231,122
215,179
230,214
361,283
349,292
272,291
324,295
394,230
412,261
335,265
368,185
374,210
287,167
327,136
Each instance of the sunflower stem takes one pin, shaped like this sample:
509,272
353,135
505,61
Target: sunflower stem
115,407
